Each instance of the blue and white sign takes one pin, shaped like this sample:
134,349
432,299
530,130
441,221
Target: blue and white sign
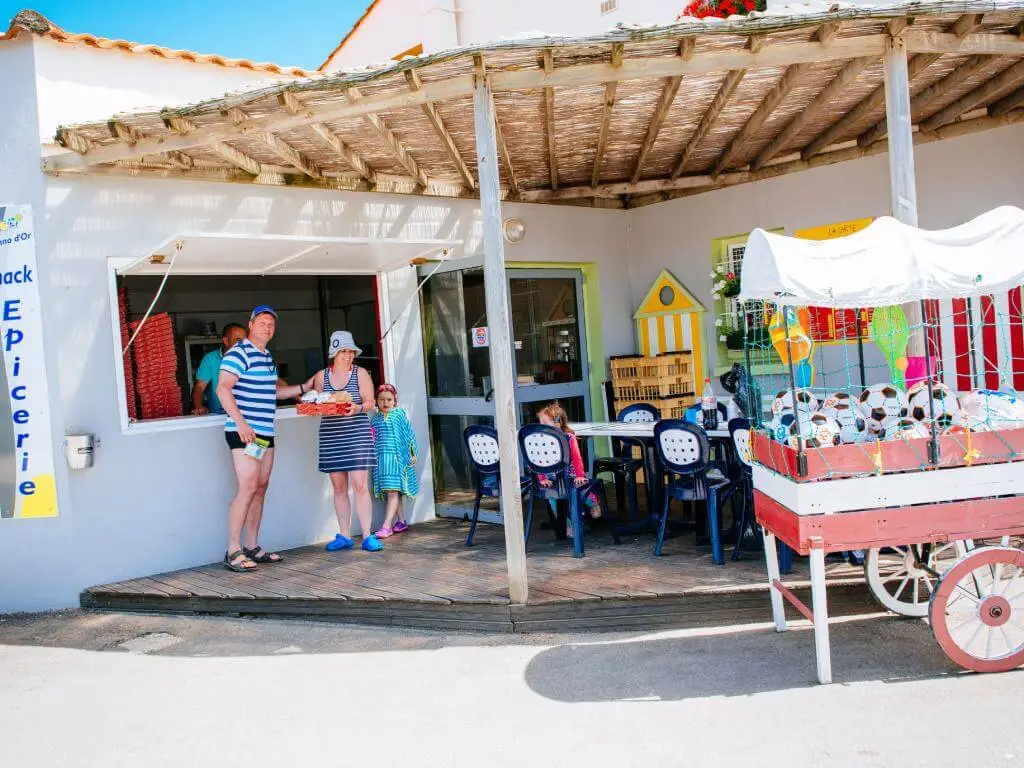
27,485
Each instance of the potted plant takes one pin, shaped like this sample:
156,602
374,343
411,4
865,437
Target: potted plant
726,283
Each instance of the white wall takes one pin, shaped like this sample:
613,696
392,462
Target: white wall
394,26
124,82
956,180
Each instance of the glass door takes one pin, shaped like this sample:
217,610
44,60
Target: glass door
550,362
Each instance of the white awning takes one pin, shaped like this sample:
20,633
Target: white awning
887,263
230,254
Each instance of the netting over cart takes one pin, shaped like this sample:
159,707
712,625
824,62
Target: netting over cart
903,386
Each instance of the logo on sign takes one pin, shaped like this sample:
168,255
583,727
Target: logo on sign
480,337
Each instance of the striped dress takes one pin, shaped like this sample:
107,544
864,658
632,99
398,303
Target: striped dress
346,442
396,445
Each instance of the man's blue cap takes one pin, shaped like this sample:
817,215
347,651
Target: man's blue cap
261,310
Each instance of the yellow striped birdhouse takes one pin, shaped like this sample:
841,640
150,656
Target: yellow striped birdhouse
670,319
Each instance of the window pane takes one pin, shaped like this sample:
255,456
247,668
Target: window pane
453,305
545,326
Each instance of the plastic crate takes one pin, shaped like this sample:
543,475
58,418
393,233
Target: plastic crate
663,386
625,367
668,364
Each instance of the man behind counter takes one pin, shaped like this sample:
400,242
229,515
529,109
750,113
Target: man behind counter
204,396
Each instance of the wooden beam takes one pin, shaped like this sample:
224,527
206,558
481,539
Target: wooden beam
847,75
687,47
606,115
180,160
234,156
124,132
294,106
668,95
944,43
827,32
1007,103
413,78
74,141
549,118
278,146
461,86
501,353
765,110
966,24
390,140
506,157
725,92
920,102
977,98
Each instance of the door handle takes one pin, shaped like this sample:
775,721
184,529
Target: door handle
489,396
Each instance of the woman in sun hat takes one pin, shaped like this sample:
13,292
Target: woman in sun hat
346,442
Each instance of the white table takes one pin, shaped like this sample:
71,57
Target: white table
627,429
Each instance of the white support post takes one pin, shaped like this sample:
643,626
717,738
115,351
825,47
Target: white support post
819,607
902,185
498,321
771,561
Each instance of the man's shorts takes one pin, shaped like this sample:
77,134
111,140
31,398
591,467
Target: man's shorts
235,442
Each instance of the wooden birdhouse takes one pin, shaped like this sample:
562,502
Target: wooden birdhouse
670,319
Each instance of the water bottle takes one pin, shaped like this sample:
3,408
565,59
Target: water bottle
709,406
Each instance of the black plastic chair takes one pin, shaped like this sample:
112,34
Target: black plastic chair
743,480
622,466
545,452
685,455
482,448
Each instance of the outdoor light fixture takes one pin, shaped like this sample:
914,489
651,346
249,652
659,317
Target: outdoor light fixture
514,230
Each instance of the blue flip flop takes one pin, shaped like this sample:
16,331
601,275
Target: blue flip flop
372,544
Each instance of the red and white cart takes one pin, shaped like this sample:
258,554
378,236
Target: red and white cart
949,503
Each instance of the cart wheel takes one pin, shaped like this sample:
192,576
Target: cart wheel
907,589
977,612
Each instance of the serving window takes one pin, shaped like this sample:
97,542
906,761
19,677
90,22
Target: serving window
191,311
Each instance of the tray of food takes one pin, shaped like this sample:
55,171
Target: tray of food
325,404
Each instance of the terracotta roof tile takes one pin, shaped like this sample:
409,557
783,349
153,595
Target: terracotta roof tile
34,23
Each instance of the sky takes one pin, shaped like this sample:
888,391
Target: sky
289,34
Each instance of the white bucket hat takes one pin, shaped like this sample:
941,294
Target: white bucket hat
342,340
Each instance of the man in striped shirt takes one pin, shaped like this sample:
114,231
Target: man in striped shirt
248,388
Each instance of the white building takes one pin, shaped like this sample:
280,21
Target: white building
156,496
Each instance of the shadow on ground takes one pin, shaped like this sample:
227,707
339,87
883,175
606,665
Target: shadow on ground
737,662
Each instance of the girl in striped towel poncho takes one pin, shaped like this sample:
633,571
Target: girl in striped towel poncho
395,444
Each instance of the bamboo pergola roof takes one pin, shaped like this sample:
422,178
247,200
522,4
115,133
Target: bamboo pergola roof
617,120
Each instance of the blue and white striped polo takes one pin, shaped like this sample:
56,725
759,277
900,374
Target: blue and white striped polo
256,388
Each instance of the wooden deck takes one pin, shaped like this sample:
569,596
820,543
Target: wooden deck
428,578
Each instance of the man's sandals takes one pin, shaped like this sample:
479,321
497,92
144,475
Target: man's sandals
259,555
238,562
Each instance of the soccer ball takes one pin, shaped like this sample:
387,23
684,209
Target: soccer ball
905,429
875,428
943,400
779,427
816,429
999,410
845,413
805,399
883,401
837,398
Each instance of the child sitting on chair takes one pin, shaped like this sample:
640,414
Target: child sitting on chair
554,415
